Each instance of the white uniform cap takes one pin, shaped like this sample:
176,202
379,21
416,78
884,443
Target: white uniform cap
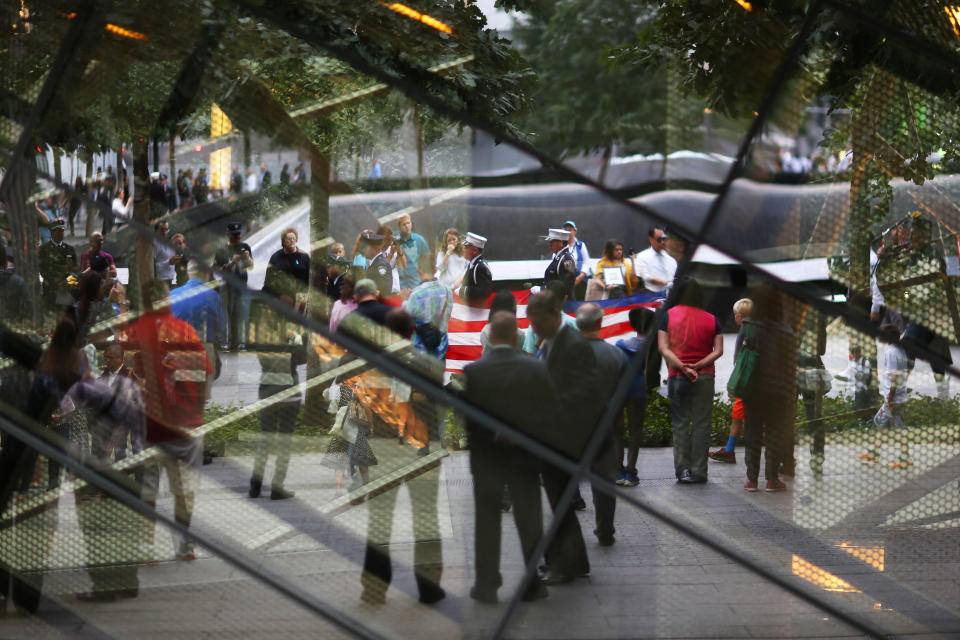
557,234
474,240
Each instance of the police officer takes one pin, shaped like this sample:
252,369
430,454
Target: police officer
379,269
562,267
57,261
477,281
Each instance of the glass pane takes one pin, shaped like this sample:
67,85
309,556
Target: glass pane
260,164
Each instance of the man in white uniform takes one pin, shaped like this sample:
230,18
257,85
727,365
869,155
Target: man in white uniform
654,265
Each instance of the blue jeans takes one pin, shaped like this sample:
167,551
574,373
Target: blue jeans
691,407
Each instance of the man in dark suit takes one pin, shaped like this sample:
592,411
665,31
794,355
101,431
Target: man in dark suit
611,366
516,389
572,367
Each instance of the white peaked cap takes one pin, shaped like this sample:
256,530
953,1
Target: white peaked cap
473,239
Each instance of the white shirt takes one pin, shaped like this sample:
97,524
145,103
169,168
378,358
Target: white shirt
585,265
162,253
447,274
654,264
250,184
877,300
119,209
894,373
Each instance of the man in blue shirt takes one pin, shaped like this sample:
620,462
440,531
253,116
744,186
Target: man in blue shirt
198,304
413,246
581,257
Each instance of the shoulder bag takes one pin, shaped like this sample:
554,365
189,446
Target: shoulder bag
743,377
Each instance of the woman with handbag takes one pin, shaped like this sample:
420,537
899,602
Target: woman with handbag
349,449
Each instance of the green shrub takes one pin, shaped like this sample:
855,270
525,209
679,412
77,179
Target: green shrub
454,429
837,417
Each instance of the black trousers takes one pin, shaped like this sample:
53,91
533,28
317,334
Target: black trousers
814,422
769,419
606,466
567,552
493,469
636,409
428,548
111,533
277,424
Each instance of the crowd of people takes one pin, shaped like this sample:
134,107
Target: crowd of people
147,390
111,191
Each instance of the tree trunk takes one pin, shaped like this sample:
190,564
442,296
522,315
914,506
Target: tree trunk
89,208
318,304
142,266
246,148
418,130
156,155
57,172
22,218
420,182
605,163
172,177
319,215
865,139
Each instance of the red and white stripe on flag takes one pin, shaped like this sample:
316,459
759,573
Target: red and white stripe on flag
466,322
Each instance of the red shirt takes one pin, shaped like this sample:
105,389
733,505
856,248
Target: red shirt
171,361
691,332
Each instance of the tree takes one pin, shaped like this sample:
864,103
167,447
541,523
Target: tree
889,64
151,79
583,104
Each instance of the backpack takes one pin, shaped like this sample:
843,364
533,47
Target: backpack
428,335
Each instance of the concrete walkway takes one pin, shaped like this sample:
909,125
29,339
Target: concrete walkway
876,542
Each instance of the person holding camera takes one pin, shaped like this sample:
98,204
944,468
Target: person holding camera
164,254
236,260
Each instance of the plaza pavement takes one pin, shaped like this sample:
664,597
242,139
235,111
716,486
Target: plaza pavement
876,542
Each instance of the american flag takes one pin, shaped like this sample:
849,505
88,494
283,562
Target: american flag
467,321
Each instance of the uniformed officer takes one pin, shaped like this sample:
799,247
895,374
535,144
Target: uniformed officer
379,269
477,282
57,260
562,267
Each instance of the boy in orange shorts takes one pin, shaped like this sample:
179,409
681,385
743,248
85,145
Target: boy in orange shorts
741,310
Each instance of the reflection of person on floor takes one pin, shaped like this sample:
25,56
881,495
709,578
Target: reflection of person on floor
770,409
114,410
813,382
516,389
27,543
422,482
279,350
893,388
174,366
